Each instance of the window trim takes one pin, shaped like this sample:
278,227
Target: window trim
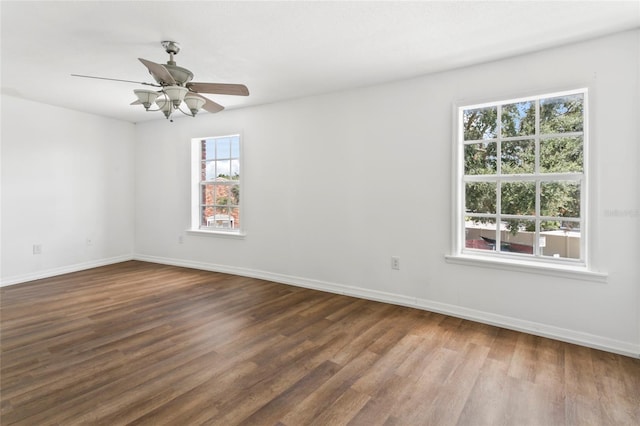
519,265
195,228
559,267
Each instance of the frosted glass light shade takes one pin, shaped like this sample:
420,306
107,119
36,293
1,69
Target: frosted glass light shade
146,97
176,94
165,105
194,103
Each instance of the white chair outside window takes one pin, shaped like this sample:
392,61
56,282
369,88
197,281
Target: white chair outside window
220,221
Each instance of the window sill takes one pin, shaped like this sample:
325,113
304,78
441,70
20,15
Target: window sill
211,233
562,271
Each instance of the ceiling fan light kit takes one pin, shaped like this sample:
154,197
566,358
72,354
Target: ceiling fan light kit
146,97
164,105
194,103
176,87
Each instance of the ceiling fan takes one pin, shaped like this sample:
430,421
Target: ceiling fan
175,87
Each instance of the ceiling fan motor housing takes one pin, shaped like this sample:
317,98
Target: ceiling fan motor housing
179,74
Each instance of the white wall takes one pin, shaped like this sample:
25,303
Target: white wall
67,177
336,184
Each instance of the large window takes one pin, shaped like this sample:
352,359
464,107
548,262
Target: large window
522,178
216,180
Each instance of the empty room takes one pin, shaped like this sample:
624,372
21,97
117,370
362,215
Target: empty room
320,213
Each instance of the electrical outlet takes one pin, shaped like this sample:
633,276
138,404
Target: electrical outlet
37,249
395,262
89,241
180,239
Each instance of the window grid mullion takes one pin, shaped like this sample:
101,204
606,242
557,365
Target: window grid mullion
536,170
537,177
499,178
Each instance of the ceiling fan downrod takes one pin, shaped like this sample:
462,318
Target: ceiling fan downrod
172,48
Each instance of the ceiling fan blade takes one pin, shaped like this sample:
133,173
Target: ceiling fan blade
159,72
219,88
136,102
115,79
209,105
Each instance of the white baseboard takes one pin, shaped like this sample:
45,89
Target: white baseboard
538,329
63,270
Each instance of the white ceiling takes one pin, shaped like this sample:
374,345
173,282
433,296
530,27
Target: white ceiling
280,50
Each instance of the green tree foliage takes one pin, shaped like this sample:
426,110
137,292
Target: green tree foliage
480,197
481,159
235,194
562,114
234,190
561,155
480,123
518,119
559,150
518,157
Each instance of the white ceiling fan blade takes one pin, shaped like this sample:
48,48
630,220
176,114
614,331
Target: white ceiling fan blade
115,79
209,105
159,72
219,88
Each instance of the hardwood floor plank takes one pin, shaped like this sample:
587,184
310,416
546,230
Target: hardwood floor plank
453,393
486,404
504,345
342,410
522,365
531,404
277,407
147,344
385,367
330,391
421,389
376,410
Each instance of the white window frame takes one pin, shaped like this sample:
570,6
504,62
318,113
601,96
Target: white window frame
530,263
196,193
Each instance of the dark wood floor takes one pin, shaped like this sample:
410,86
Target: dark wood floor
139,343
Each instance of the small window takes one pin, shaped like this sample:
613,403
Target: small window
216,175
522,177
